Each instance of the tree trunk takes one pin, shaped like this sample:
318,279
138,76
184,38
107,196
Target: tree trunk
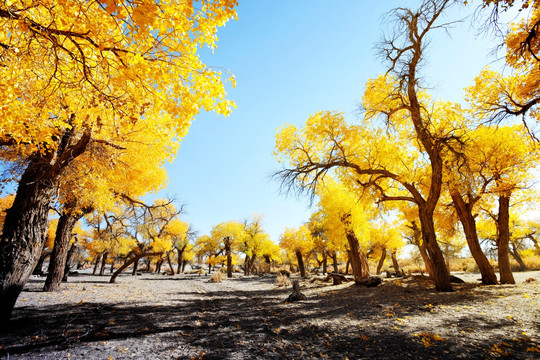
23,234
348,264
441,276
503,240
334,262
395,263
26,221
171,268
135,267
69,257
184,262
325,262
111,269
57,262
134,260
246,266
357,257
38,270
515,254
464,212
96,264
417,234
228,252
103,264
301,266
381,261
180,259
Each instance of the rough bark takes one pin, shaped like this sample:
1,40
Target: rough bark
135,267
103,264
228,253
503,240
69,257
358,259
26,221
57,262
38,270
171,268
180,259
325,263
441,275
335,262
296,294
395,263
381,261
464,212
301,266
96,264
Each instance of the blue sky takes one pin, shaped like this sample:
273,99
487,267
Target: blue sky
292,59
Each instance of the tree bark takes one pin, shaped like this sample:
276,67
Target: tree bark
134,260
441,276
357,257
228,253
38,270
57,262
180,259
96,264
503,240
246,266
325,263
395,263
464,212
381,261
171,268
103,264
135,267
69,257
301,266
335,262
515,254
26,221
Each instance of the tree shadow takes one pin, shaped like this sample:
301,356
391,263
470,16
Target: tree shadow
348,322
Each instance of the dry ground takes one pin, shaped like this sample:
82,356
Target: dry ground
186,317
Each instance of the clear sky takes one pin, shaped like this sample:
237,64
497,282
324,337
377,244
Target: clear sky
292,59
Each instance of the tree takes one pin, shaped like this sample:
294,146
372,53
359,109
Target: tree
256,243
230,235
298,242
366,154
346,217
147,225
76,73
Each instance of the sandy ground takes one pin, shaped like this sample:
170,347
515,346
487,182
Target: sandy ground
186,317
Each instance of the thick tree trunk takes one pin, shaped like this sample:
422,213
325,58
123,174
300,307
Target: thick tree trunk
23,233
335,262
180,259
184,263
395,263
103,264
69,257
464,212
301,266
441,275
57,262
357,257
228,253
325,262
515,254
111,269
96,264
503,240
26,221
38,270
348,263
135,267
381,261
246,266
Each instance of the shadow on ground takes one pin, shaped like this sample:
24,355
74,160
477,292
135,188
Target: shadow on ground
350,322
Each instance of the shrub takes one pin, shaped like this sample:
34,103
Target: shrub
282,280
217,277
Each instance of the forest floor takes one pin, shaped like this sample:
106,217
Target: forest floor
186,317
